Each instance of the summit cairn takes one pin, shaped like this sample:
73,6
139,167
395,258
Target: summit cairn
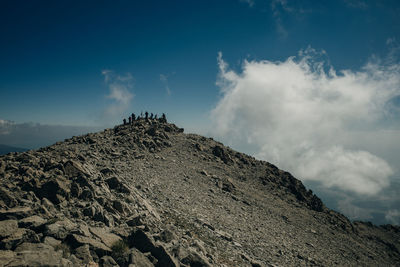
144,193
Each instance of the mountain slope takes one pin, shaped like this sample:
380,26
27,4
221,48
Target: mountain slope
150,195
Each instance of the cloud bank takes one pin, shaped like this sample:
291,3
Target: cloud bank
304,116
34,135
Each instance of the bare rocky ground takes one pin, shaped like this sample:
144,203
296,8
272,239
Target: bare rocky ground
149,195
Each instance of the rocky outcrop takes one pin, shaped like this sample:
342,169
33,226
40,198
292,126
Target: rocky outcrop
146,194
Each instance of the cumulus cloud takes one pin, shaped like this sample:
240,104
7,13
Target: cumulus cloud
304,116
119,93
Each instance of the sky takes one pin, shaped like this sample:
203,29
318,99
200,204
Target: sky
311,86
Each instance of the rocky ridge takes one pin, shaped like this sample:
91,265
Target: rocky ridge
146,194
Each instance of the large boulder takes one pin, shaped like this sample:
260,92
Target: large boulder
56,190
39,254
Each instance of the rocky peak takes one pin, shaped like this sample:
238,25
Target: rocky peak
146,194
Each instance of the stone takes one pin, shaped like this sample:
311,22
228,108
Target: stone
135,221
221,153
60,229
7,228
6,256
7,198
18,237
116,184
30,254
138,259
56,190
167,236
106,237
74,169
195,259
76,241
15,213
83,253
32,222
48,240
108,261
145,243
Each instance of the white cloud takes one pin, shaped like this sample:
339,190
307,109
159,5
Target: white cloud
301,114
393,216
164,80
119,93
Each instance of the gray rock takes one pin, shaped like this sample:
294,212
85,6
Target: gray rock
29,254
60,229
109,239
18,237
7,228
76,241
193,258
16,213
108,261
48,240
6,256
74,169
138,259
7,198
32,222
83,253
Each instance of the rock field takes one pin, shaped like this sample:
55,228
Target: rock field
147,194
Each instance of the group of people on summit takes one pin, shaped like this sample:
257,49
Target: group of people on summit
146,116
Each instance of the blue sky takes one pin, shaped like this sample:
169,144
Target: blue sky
248,72
53,52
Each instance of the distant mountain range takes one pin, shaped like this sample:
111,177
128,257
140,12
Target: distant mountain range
5,149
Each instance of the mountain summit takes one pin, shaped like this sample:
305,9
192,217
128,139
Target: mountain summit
147,194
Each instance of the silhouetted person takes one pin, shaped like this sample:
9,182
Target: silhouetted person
151,116
141,114
124,121
156,117
146,115
163,118
130,120
133,117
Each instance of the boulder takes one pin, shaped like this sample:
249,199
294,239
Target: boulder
138,259
116,184
56,190
30,254
105,236
7,198
76,241
74,169
221,153
32,222
192,258
15,213
18,237
108,261
6,256
7,228
60,229
145,243
83,253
